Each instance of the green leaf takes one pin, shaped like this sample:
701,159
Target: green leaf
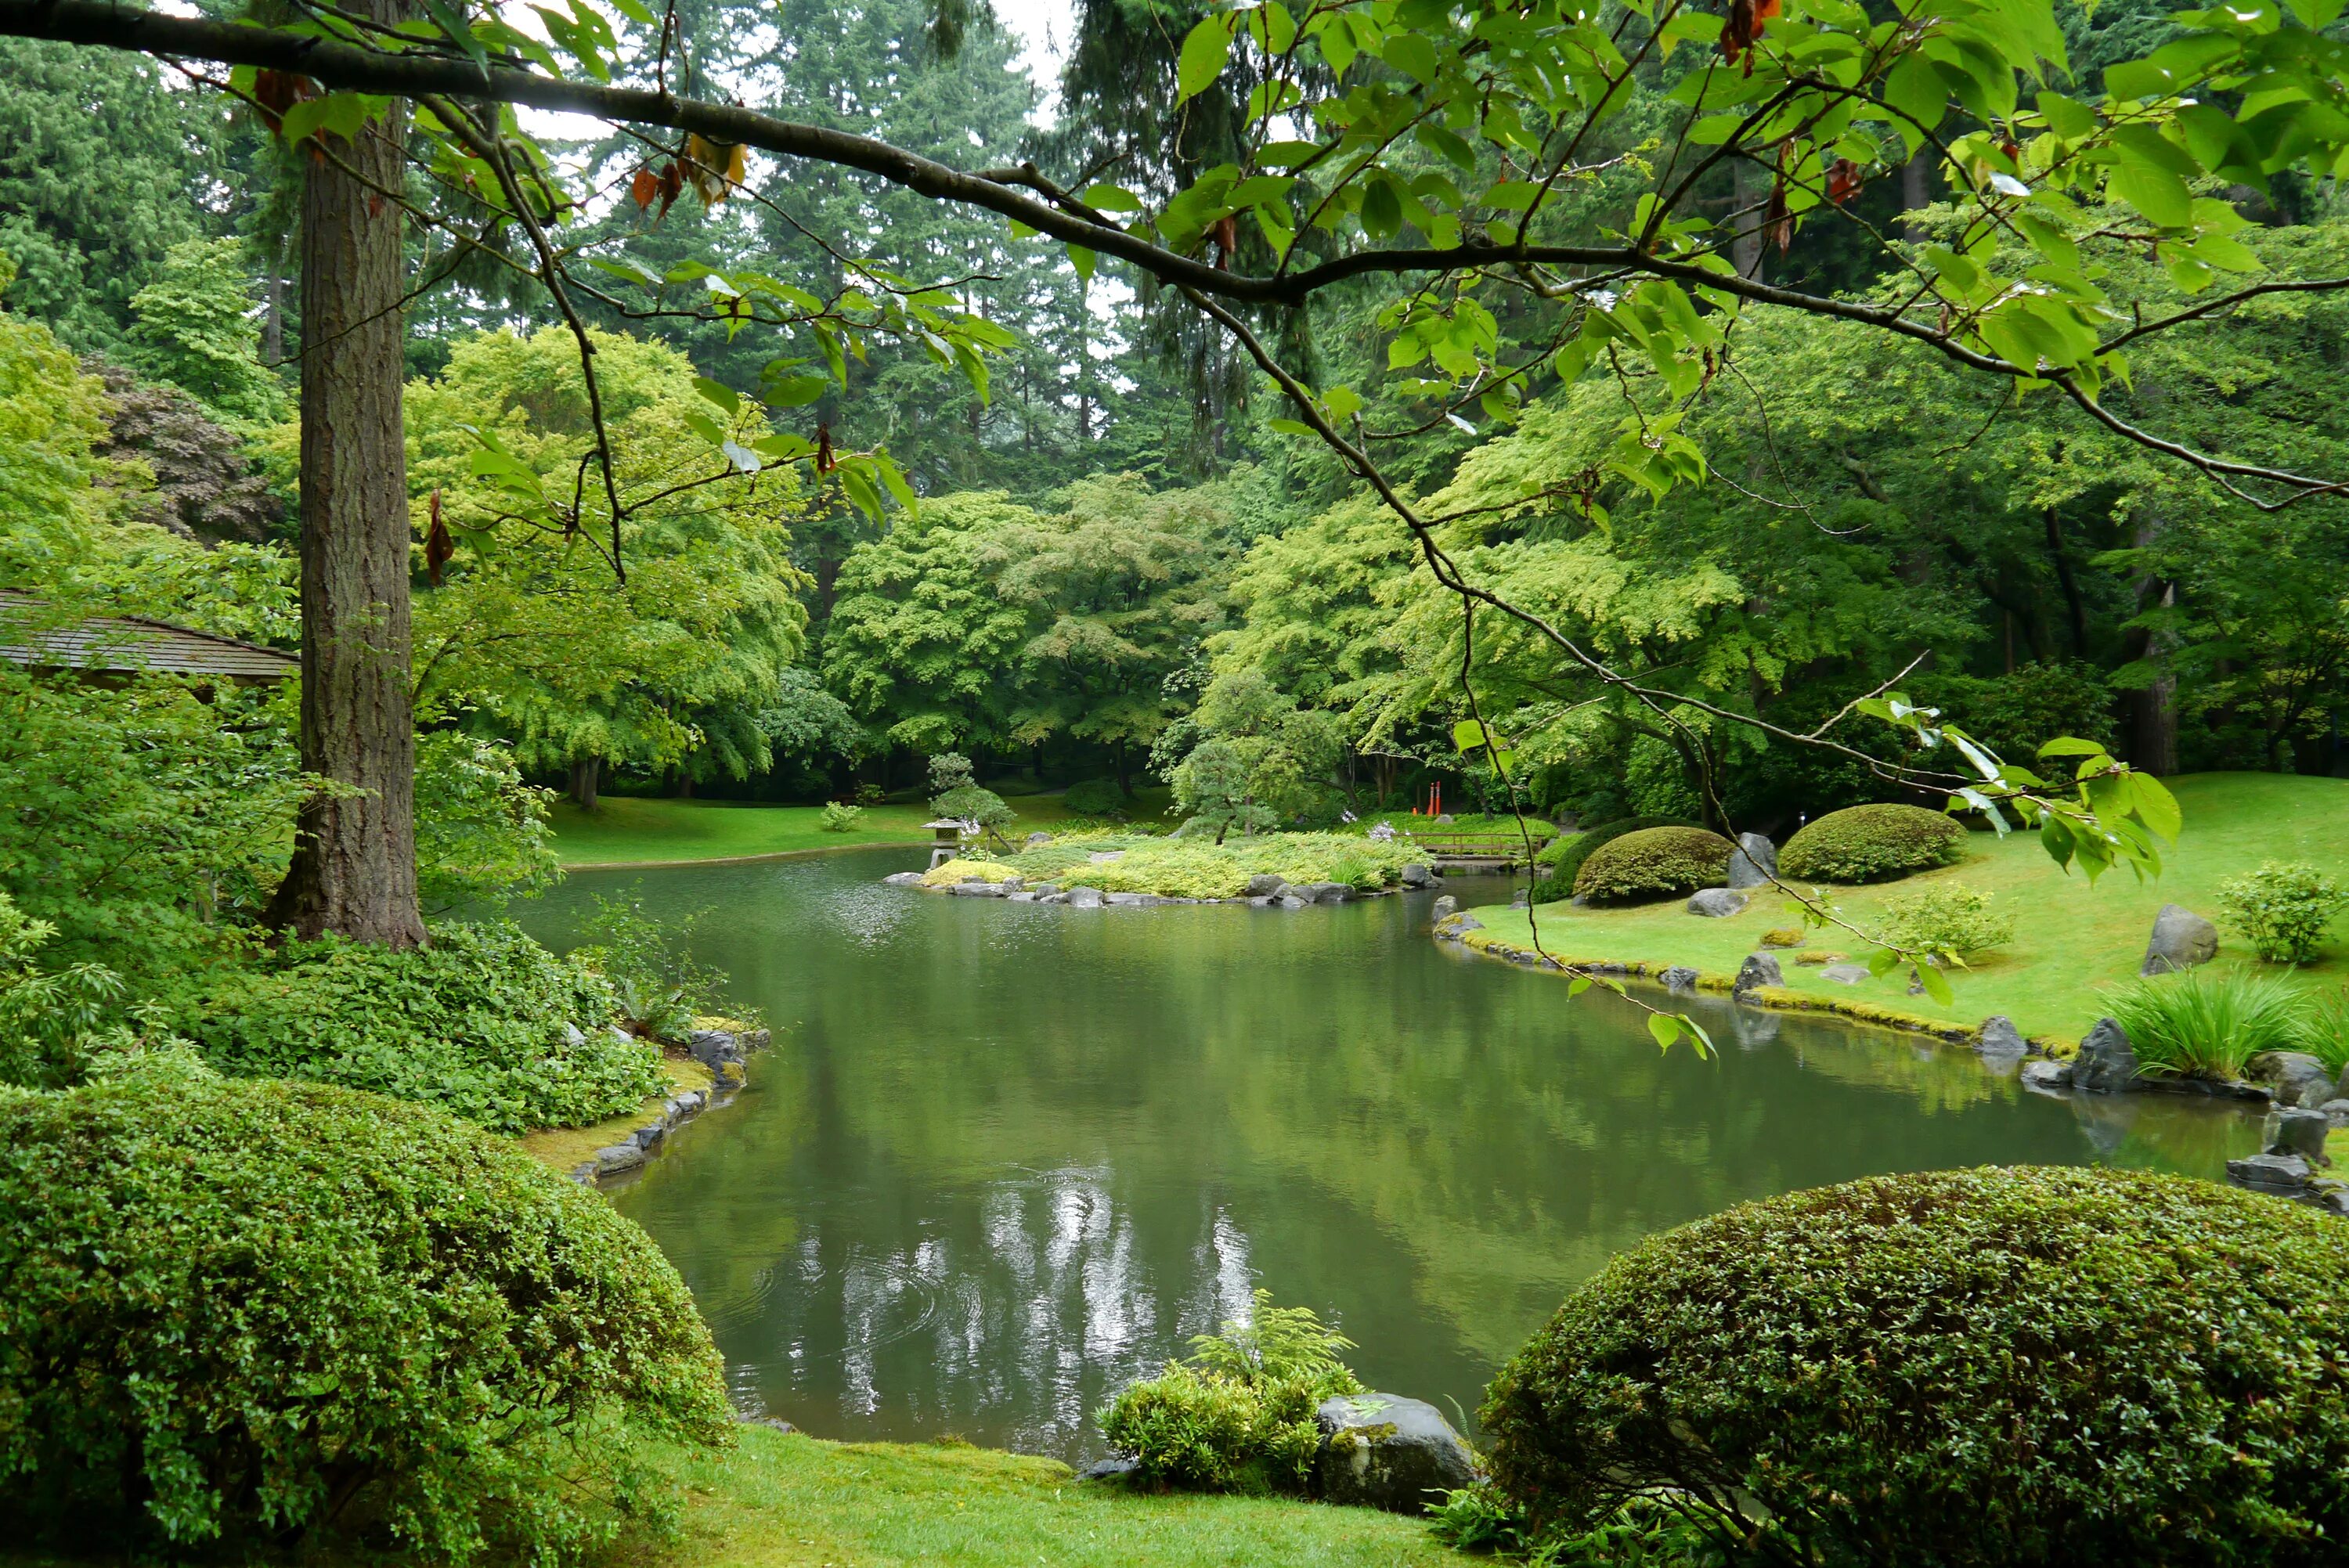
1382,210
2071,746
1468,735
1665,1027
2147,176
1937,984
1083,260
792,391
718,392
1411,54
1110,198
2157,808
1204,50
1913,87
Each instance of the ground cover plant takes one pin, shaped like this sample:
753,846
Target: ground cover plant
1960,1368
2073,939
237,1313
1871,843
2209,1022
484,1023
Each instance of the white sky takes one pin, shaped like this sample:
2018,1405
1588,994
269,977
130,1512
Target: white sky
1045,26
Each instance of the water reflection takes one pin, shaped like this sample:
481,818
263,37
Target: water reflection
1005,1158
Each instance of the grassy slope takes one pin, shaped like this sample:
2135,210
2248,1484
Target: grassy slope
2071,939
782,1500
624,830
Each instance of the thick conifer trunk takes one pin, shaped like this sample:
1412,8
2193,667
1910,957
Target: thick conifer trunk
353,867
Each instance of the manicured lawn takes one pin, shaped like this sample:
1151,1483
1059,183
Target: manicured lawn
626,830
783,1500
2071,939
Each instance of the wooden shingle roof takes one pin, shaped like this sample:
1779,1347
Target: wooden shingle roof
129,643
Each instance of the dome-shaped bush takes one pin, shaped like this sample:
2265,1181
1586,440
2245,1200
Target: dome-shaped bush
1869,843
1095,798
1653,863
235,1309
1994,1368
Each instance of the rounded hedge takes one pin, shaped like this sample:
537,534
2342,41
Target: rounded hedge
1870,843
1991,1366
235,1311
1654,863
1095,798
1564,855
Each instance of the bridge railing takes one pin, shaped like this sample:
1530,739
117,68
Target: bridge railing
1470,846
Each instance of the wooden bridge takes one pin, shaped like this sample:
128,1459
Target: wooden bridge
1470,851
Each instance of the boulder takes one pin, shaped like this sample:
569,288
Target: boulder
1084,898
1445,905
648,1137
1293,900
2336,1111
2049,1078
1135,900
981,890
1265,882
1112,1469
1020,897
1758,969
1324,892
2000,1037
1715,902
716,1049
2285,1175
1522,899
2105,1062
1052,898
617,1157
1753,862
1039,837
1445,820
2293,1131
2181,939
1462,924
903,879
1417,875
1381,1450
1844,974
1679,977
1105,857
2294,1078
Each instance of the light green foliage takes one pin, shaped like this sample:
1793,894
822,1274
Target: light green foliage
481,834
2325,1028
1565,856
52,421
955,793
484,1023
1653,863
193,329
659,986
1869,843
47,1017
2284,909
1238,1416
1897,1422
839,817
1199,868
2207,1022
532,636
1947,920
1258,760
233,1311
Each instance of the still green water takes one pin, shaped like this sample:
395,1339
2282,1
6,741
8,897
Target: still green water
1004,1159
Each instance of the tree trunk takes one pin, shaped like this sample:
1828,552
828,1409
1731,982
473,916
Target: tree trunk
1752,184
1917,192
2152,708
273,319
2073,604
353,867
584,772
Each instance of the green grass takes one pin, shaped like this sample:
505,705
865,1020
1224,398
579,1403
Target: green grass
2072,942
626,830
2209,1022
783,1501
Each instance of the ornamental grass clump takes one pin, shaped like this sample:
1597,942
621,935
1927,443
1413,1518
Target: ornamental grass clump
2285,910
1872,843
2208,1023
1239,1415
237,1316
1990,1368
1653,863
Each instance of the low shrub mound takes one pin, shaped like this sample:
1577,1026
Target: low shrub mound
1201,868
1097,798
484,1023
1563,856
1986,1367
1653,863
232,1313
1871,843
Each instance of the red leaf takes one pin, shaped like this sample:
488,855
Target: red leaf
672,181
1777,223
824,462
275,92
643,188
1742,26
1226,236
1843,181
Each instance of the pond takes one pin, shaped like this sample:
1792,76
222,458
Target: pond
1004,1159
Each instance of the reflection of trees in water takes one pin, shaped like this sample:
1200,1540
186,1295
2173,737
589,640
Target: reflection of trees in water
1009,1157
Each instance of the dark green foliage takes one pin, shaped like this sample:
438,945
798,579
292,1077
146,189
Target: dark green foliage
1995,1367
1653,863
1238,1416
1870,843
235,1311
481,1024
1096,797
1564,855
206,486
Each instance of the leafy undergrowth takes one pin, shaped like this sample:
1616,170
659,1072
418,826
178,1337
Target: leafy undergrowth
564,1148
782,1500
2073,941
1199,868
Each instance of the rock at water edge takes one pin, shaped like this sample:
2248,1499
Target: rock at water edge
2283,1174
2297,1131
1085,898
2294,1078
2181,939
2048,1077
1758,969
2000,1037
1679,977
1381,1450
1716,902
1447,905
1264,884
1417,875
1039,837
2106,1062
1753,862
903,879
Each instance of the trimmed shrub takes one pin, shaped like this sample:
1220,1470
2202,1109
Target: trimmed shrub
1096,797
484,1023
233,1313
1872,843
839,816
2208,1023
1238,1416
1654,863
1967,1367
2285,910
1564,856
